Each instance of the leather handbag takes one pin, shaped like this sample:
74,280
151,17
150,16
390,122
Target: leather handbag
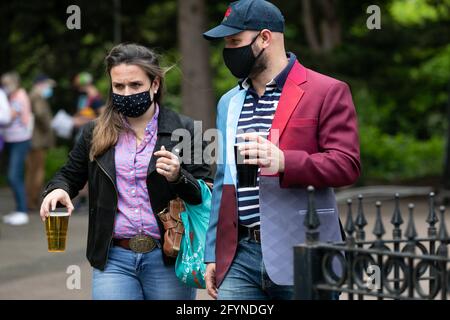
173,225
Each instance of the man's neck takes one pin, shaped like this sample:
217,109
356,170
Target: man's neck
273,69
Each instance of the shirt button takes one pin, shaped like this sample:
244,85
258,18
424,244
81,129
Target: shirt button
131,172
136,210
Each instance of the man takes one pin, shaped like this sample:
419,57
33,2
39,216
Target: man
307,136
42,138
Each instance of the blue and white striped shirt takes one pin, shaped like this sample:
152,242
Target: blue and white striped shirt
257,116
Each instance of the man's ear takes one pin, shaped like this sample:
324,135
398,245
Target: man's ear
266,37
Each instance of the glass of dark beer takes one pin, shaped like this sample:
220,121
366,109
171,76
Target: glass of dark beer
247,174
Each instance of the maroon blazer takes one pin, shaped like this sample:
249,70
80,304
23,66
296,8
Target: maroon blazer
317,131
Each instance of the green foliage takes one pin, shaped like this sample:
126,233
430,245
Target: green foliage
399,158
418,12
56,158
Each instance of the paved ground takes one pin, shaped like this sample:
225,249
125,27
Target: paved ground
28,271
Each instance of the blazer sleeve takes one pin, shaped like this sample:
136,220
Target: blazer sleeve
337,163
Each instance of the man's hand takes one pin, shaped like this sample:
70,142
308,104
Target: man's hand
262,152
210,278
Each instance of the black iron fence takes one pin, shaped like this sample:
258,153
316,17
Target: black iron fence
403,267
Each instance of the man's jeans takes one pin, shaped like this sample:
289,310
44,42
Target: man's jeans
247,278
135,276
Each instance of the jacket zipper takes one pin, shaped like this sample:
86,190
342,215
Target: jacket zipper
115,206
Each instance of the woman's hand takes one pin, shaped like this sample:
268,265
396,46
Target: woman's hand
51,200
168,165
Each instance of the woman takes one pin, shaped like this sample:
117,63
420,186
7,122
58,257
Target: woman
132,175
17,136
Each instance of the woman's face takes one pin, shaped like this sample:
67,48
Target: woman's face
129,79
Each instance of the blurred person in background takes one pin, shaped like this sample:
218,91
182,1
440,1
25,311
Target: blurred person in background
42,138
89,107
17,136
90,102
5,115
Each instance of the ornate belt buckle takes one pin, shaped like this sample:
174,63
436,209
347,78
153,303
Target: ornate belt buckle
142,244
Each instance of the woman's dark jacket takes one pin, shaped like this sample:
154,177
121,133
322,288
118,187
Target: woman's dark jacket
101,175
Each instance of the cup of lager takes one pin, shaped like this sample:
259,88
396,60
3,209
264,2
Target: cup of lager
56,225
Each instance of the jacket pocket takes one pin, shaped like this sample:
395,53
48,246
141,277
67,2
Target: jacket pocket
303,122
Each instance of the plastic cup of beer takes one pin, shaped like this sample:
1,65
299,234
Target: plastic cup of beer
56,225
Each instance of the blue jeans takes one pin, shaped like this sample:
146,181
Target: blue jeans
16,167
247,278
136,276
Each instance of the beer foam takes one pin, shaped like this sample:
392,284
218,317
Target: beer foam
59,214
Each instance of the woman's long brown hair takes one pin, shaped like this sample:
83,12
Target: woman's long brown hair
110,123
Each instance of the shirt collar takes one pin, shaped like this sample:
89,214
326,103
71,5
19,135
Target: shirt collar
151,124
279,80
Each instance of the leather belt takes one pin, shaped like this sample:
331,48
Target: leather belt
252,233
138,244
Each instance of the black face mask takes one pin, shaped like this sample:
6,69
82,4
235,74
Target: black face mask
241,60
132,106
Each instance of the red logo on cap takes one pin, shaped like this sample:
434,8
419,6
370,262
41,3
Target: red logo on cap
227,14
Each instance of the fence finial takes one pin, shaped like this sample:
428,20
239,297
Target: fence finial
411,232
311,221
432,218
397,219
443,234
349,226
360,221
378,230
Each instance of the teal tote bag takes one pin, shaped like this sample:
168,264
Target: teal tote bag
189,267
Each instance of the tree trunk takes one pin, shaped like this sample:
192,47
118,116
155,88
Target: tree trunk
310,29
117,21
197,91
329,26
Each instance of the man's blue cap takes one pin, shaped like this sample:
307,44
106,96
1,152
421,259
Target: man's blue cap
248,15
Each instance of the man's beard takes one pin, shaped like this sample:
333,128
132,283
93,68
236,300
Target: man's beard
259,67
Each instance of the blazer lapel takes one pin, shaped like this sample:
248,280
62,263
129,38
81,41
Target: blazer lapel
234,112
289,100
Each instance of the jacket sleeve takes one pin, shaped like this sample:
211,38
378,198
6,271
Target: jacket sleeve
74,174
187,187
337,163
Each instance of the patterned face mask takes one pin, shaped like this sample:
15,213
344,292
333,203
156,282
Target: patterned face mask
132,106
